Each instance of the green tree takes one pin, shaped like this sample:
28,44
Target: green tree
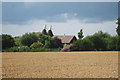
82,45
29,38
118,28
7,41
99,40
80,34
17,41
43,38
118,32
36,45
0,43
56,43
112,43
48,44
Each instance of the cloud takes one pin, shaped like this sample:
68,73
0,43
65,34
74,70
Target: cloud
70,27
60,0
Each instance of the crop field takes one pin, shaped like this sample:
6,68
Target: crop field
60,64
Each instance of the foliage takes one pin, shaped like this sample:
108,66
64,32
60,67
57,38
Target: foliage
80,34
118,32
17,41
65,45
99,40
56,43
118,43
48,44
36,45
82,45
118,28
42,49
29,38
0,43
43,38
112,43
7,41
18,49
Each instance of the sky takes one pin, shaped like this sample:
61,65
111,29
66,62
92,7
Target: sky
65,17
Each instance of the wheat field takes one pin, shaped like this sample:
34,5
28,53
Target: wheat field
60,64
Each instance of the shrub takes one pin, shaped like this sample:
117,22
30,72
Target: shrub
42,49
18,49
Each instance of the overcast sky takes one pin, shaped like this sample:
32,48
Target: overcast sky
65,17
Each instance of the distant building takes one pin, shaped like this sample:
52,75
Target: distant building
66,39
44,31
50,33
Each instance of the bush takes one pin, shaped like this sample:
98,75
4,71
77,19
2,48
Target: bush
42,49
18,49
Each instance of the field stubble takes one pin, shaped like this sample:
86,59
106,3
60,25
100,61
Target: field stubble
60,65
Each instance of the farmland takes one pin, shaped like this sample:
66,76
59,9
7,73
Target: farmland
60,64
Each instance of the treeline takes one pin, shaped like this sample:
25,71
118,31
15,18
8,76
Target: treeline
34,41
97,42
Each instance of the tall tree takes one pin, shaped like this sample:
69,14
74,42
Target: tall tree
28,38
7,41
118,32
118,28
80,34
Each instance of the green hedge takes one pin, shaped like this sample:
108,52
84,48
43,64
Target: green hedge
28,49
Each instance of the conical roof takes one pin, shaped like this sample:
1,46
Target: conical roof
50,33
44,31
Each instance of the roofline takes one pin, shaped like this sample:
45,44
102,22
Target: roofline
64,35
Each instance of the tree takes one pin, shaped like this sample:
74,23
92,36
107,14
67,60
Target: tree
17,41
99,40
36,45
29,38
118,32
56,43
7,41
80,34
82,45
0,43
43,38
48,44
118,28
112,43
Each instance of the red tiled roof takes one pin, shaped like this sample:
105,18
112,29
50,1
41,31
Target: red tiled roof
64,38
